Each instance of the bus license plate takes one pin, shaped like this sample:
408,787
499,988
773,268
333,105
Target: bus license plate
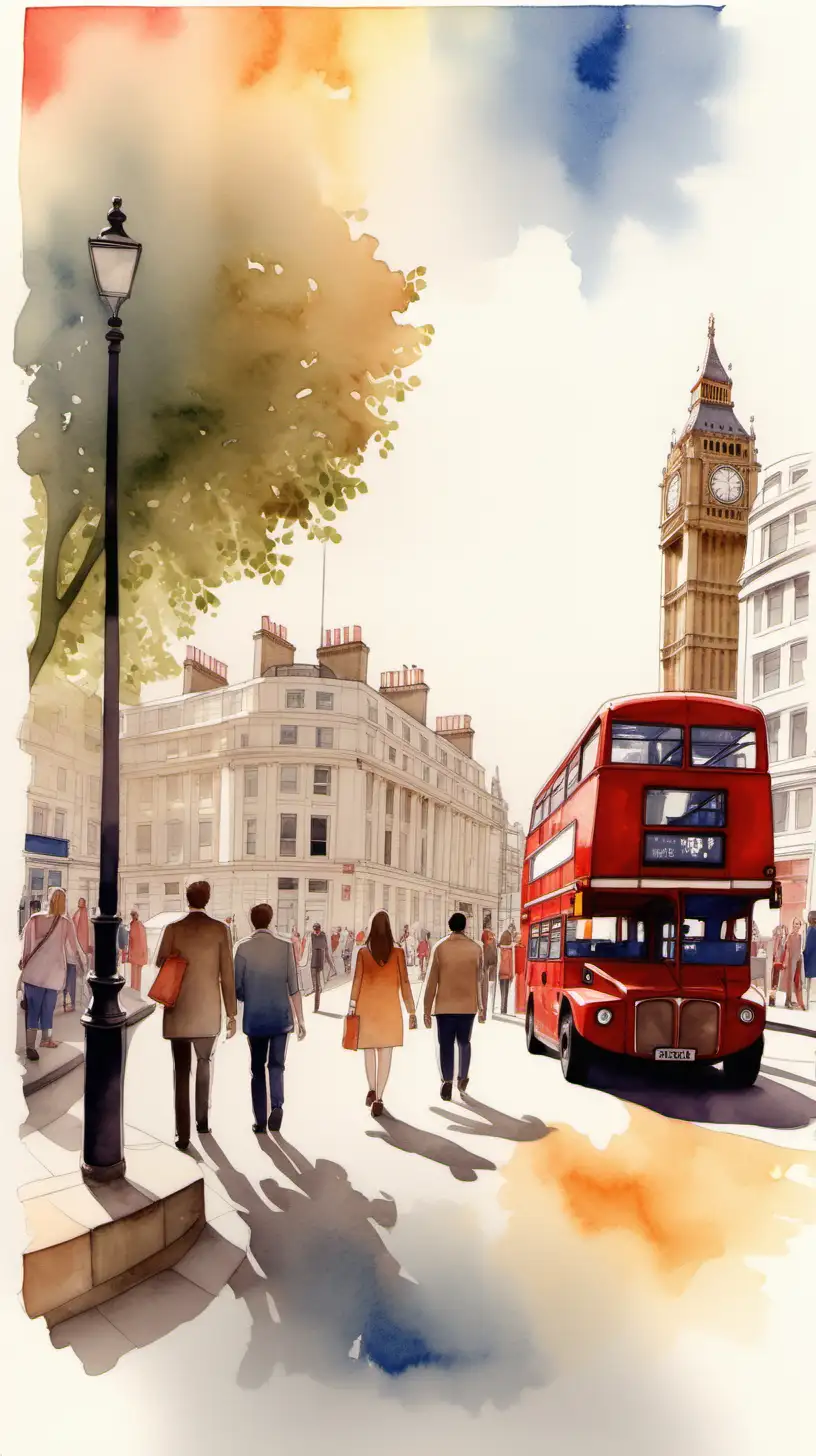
675,1054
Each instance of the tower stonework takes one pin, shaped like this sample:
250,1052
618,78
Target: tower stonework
708,487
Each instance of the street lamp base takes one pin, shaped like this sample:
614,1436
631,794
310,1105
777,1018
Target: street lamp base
103,1175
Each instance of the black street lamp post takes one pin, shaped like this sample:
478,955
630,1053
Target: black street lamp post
114,259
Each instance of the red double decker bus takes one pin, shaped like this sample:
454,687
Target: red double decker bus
647,851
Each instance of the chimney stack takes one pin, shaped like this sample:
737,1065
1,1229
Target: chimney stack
408,690
457,731
344,652
272,648
203,673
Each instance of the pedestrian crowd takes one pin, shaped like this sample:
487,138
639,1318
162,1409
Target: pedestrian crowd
203,974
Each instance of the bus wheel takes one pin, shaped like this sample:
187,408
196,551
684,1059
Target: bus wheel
741,1069
574,1052
534,1046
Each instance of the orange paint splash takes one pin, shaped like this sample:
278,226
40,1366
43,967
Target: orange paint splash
663,1219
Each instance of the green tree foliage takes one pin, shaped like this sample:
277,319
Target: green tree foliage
247,405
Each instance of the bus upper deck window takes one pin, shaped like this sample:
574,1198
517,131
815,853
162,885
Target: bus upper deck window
557,793
589,753
723,748
647,743
573,773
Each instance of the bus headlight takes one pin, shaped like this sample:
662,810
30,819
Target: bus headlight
604,1016
746,1015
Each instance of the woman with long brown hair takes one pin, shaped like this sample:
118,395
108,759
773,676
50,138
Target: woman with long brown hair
380,977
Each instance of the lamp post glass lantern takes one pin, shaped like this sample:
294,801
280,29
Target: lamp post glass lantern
114,260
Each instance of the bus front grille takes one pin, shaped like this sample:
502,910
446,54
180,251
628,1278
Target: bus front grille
654,1026
700,1026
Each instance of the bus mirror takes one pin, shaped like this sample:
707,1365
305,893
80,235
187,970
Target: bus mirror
776,896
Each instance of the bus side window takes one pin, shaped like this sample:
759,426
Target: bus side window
555,940
573,773
557,793
589,753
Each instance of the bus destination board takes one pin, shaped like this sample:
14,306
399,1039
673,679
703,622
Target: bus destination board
684,849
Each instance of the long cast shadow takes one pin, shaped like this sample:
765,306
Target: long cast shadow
326,1297
463,1164
526,1129
700,1095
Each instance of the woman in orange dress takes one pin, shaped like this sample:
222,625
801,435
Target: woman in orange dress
136,955
380,976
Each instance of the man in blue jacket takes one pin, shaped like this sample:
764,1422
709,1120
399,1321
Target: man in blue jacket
266,981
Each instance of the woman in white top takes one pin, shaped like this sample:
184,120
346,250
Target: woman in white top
50,945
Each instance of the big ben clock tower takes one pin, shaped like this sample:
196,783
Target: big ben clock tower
707,490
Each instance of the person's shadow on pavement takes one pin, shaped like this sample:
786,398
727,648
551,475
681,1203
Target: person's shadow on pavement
463,1164
493,1123
325,1295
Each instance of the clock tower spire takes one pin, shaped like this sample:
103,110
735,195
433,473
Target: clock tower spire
708,487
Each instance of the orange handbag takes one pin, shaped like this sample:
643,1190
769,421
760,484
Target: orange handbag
166,987
351,1033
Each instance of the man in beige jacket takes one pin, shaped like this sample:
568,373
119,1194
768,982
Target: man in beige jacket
195,1020
454,994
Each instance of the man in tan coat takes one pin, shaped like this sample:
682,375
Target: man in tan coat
195,1020
454,994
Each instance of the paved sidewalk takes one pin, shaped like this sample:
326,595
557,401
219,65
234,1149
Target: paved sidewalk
780,1019
70,1034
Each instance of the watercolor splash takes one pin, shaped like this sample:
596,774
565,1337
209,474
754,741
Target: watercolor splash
655,1229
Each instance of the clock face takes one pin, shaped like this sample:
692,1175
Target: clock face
726,485
672,495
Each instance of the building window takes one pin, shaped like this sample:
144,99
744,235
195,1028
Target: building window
442,783
758,612
172,887
797,474
250,783
406,762
324,738
772,487
780,812
369,795
62,780
767,670
288,733
775,538
387,848
288,836
143,890
406,732
173,787
205,788
392,755
251,836
368,841
287,884
205,838
370,744
59,824
800,525
804,808
92,838
325,702
244,740
800,598
426,773
773,724
288,781
39,819
296,698
144,839
373,715
318,887
173,748
319,837
94,790
175,831
443,758
389,799
774,603
322,781
798,734
423,744
798,658
389,722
